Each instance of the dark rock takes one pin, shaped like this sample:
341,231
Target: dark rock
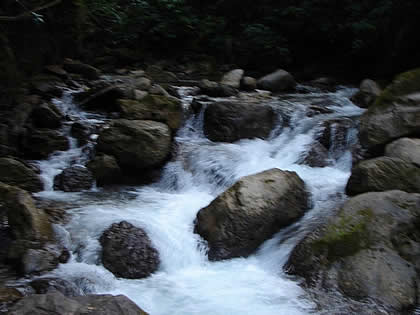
250,212
8,296
278,81
248,84
74,178
103,97
57,70
316,156
47,116
215,89
383,173
128,252
15,173
160,76
156,89
231,121
40,143
105,170
80,132
166,109
57,303
136,144
367,94
355,252
50,285
47,86
85,70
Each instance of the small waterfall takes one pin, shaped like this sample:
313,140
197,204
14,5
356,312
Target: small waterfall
187,283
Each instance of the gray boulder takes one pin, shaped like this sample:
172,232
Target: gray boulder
394,114
74,178
49,285
358,251
248,84
40,143
136,144
407,149
16,173
250,212
166,109
128,252
57,303
368,92
278,81
232,121
383,173
88,71
233,78
105,170
215,89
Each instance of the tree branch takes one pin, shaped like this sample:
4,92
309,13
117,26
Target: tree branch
29,13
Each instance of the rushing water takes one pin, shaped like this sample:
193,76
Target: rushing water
186,282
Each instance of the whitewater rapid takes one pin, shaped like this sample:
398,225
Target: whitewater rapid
186,282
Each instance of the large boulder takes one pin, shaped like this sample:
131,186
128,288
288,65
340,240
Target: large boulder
232,121
368,92
128,252
102,97
407,149
74,178
250,212
16,173
395,113
166,109
215,89
48,285
383,173
248,84
40,143
57,303
278,81
105,169
136,144
233,78
368,250
47,116
25,219
88,71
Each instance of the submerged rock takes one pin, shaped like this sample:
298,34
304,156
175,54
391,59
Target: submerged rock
128,252
16,173
250,212
278,81
57,303
359,250
232,121
74,178
136,144
383,173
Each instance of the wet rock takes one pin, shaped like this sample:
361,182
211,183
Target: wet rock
40,143
15,173
383,173
81,132
368,92
88,71
355,251
128,252
407,149
46,85
50,285
102,97
74,178
215,89
143,84
233,78
57,303
47,116
166,109
278,81
25,219
8,296
57,70
248,84
316,156
325,83
156,89
393,115
250,212
136,144
232,121
105,170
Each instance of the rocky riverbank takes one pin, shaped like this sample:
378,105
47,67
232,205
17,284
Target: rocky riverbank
373,234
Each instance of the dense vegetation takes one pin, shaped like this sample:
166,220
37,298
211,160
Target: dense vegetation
371,37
